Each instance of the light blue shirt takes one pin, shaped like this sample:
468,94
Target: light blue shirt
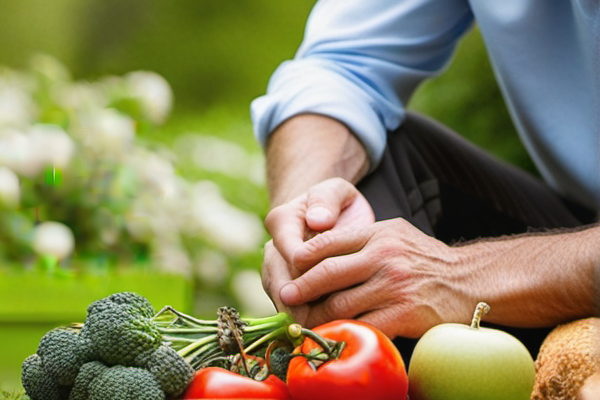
361,60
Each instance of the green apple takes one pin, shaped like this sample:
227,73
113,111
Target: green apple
462,362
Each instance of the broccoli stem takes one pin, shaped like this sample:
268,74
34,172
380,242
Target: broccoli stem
197,341
163,317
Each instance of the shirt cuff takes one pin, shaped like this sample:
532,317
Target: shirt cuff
310,86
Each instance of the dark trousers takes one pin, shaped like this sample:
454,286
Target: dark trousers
454,191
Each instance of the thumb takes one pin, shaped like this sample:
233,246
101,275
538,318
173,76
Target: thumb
326,200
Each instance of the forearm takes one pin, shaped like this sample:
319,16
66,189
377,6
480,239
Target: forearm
534,280
308,149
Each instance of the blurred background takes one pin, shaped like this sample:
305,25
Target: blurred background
127,160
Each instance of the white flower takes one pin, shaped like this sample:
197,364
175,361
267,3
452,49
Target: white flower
79,96
16,106
10,193
19,152
228,227
215,154
54,144
212,267
154,93
169,256
108,133
248,289
53,238
155,171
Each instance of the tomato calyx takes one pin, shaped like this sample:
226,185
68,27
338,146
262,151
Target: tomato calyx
329,349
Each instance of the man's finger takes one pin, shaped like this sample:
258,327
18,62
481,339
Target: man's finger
326,200
287,225
331,275
330,244
275,275
345,304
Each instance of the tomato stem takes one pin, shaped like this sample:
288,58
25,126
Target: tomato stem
296,331
481,309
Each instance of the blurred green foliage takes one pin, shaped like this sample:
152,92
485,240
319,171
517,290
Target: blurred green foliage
211,52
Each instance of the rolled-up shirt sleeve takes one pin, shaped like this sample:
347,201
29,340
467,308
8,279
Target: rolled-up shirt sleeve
359,62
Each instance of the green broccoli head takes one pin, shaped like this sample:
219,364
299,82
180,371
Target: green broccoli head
37,382
172,371
139,304
63,352
87,374
280,361
118,334
125,383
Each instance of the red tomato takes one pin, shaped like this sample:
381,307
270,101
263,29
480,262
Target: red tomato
369,367
219,383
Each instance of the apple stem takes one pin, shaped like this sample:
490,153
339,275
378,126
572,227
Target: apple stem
481,309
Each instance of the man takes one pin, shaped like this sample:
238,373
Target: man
335,117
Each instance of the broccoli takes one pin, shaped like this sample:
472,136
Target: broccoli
38,384
88,372
63,352
279,362
119,334
173,373
124,343
139,304
125,383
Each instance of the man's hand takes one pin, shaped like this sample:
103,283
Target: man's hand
388,274
334,204
397,278
275,275
302,154
331,204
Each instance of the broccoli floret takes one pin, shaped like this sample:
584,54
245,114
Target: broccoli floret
87,374
139,304
125,383
63,352
172,371
118,334
37,382
280,361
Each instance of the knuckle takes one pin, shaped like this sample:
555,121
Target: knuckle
388,248
337,181
273,217
339,306
319,242
328,270
395,275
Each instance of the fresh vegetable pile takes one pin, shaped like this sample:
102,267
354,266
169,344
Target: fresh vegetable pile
125,350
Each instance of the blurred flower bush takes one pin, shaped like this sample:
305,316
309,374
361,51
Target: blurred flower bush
82,190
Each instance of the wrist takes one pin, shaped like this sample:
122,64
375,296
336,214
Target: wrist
309,149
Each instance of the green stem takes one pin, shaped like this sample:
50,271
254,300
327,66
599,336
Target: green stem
187,331
277,333
262,327
198,343
296,330
197,340
481,309
187,318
